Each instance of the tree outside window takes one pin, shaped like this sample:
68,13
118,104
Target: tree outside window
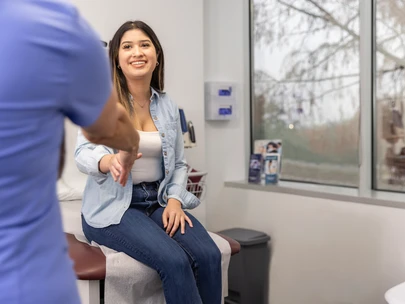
305,81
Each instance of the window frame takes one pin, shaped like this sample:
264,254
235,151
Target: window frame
368,115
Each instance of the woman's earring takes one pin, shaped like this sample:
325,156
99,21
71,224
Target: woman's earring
157,63
118,66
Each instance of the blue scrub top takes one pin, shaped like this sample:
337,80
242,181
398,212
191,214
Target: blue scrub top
52,66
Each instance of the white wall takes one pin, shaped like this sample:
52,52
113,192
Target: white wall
226,47
324,251
179,26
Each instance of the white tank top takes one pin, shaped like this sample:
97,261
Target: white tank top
149,167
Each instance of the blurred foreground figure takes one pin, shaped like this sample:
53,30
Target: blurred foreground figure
52,66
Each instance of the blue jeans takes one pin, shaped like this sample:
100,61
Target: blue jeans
189,264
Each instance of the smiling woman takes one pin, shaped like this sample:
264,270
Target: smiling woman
147,219
135,54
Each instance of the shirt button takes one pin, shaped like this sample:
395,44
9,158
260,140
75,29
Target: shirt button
167,171
165,153
163,134
155,118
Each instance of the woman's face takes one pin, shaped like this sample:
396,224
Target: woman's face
137,55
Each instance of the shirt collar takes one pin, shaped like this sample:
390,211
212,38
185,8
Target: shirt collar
154,93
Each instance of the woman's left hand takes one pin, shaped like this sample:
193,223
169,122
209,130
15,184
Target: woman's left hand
173,217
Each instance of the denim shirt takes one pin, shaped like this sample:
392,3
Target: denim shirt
104,200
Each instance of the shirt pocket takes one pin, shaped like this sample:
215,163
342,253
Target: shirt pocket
171,131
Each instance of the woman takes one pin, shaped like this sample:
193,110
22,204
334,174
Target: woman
145,218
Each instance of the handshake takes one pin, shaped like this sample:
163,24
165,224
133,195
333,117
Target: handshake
120,164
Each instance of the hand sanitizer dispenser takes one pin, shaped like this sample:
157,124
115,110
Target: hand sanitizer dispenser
220,100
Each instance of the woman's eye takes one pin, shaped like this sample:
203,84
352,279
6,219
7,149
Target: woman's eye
127,46
145,45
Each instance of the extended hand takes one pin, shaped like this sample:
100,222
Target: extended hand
173,217
114,167
126,161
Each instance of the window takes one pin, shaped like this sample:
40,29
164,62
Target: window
389,147
305,86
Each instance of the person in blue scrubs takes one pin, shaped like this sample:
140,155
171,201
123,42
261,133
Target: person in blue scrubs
52,66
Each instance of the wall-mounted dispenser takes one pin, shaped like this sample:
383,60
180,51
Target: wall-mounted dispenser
220,100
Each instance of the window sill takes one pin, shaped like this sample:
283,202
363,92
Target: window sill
377,198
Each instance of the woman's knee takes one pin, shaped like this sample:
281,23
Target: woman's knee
210,255
215,253
174,265
176,260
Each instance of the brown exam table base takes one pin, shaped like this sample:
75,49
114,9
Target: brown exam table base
90,262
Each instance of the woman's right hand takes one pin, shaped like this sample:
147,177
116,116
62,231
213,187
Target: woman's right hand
119,165
125,161
114,167
110,163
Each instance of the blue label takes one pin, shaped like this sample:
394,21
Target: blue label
225,92
225,111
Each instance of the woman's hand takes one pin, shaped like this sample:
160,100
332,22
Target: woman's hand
119,165
114,167
126,160
173,217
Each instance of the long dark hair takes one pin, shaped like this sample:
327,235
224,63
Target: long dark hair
120,82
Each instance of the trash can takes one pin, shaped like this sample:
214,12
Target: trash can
249,269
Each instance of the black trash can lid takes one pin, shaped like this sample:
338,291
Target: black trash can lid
246,237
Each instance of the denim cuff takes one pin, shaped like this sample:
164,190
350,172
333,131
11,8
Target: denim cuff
187,199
